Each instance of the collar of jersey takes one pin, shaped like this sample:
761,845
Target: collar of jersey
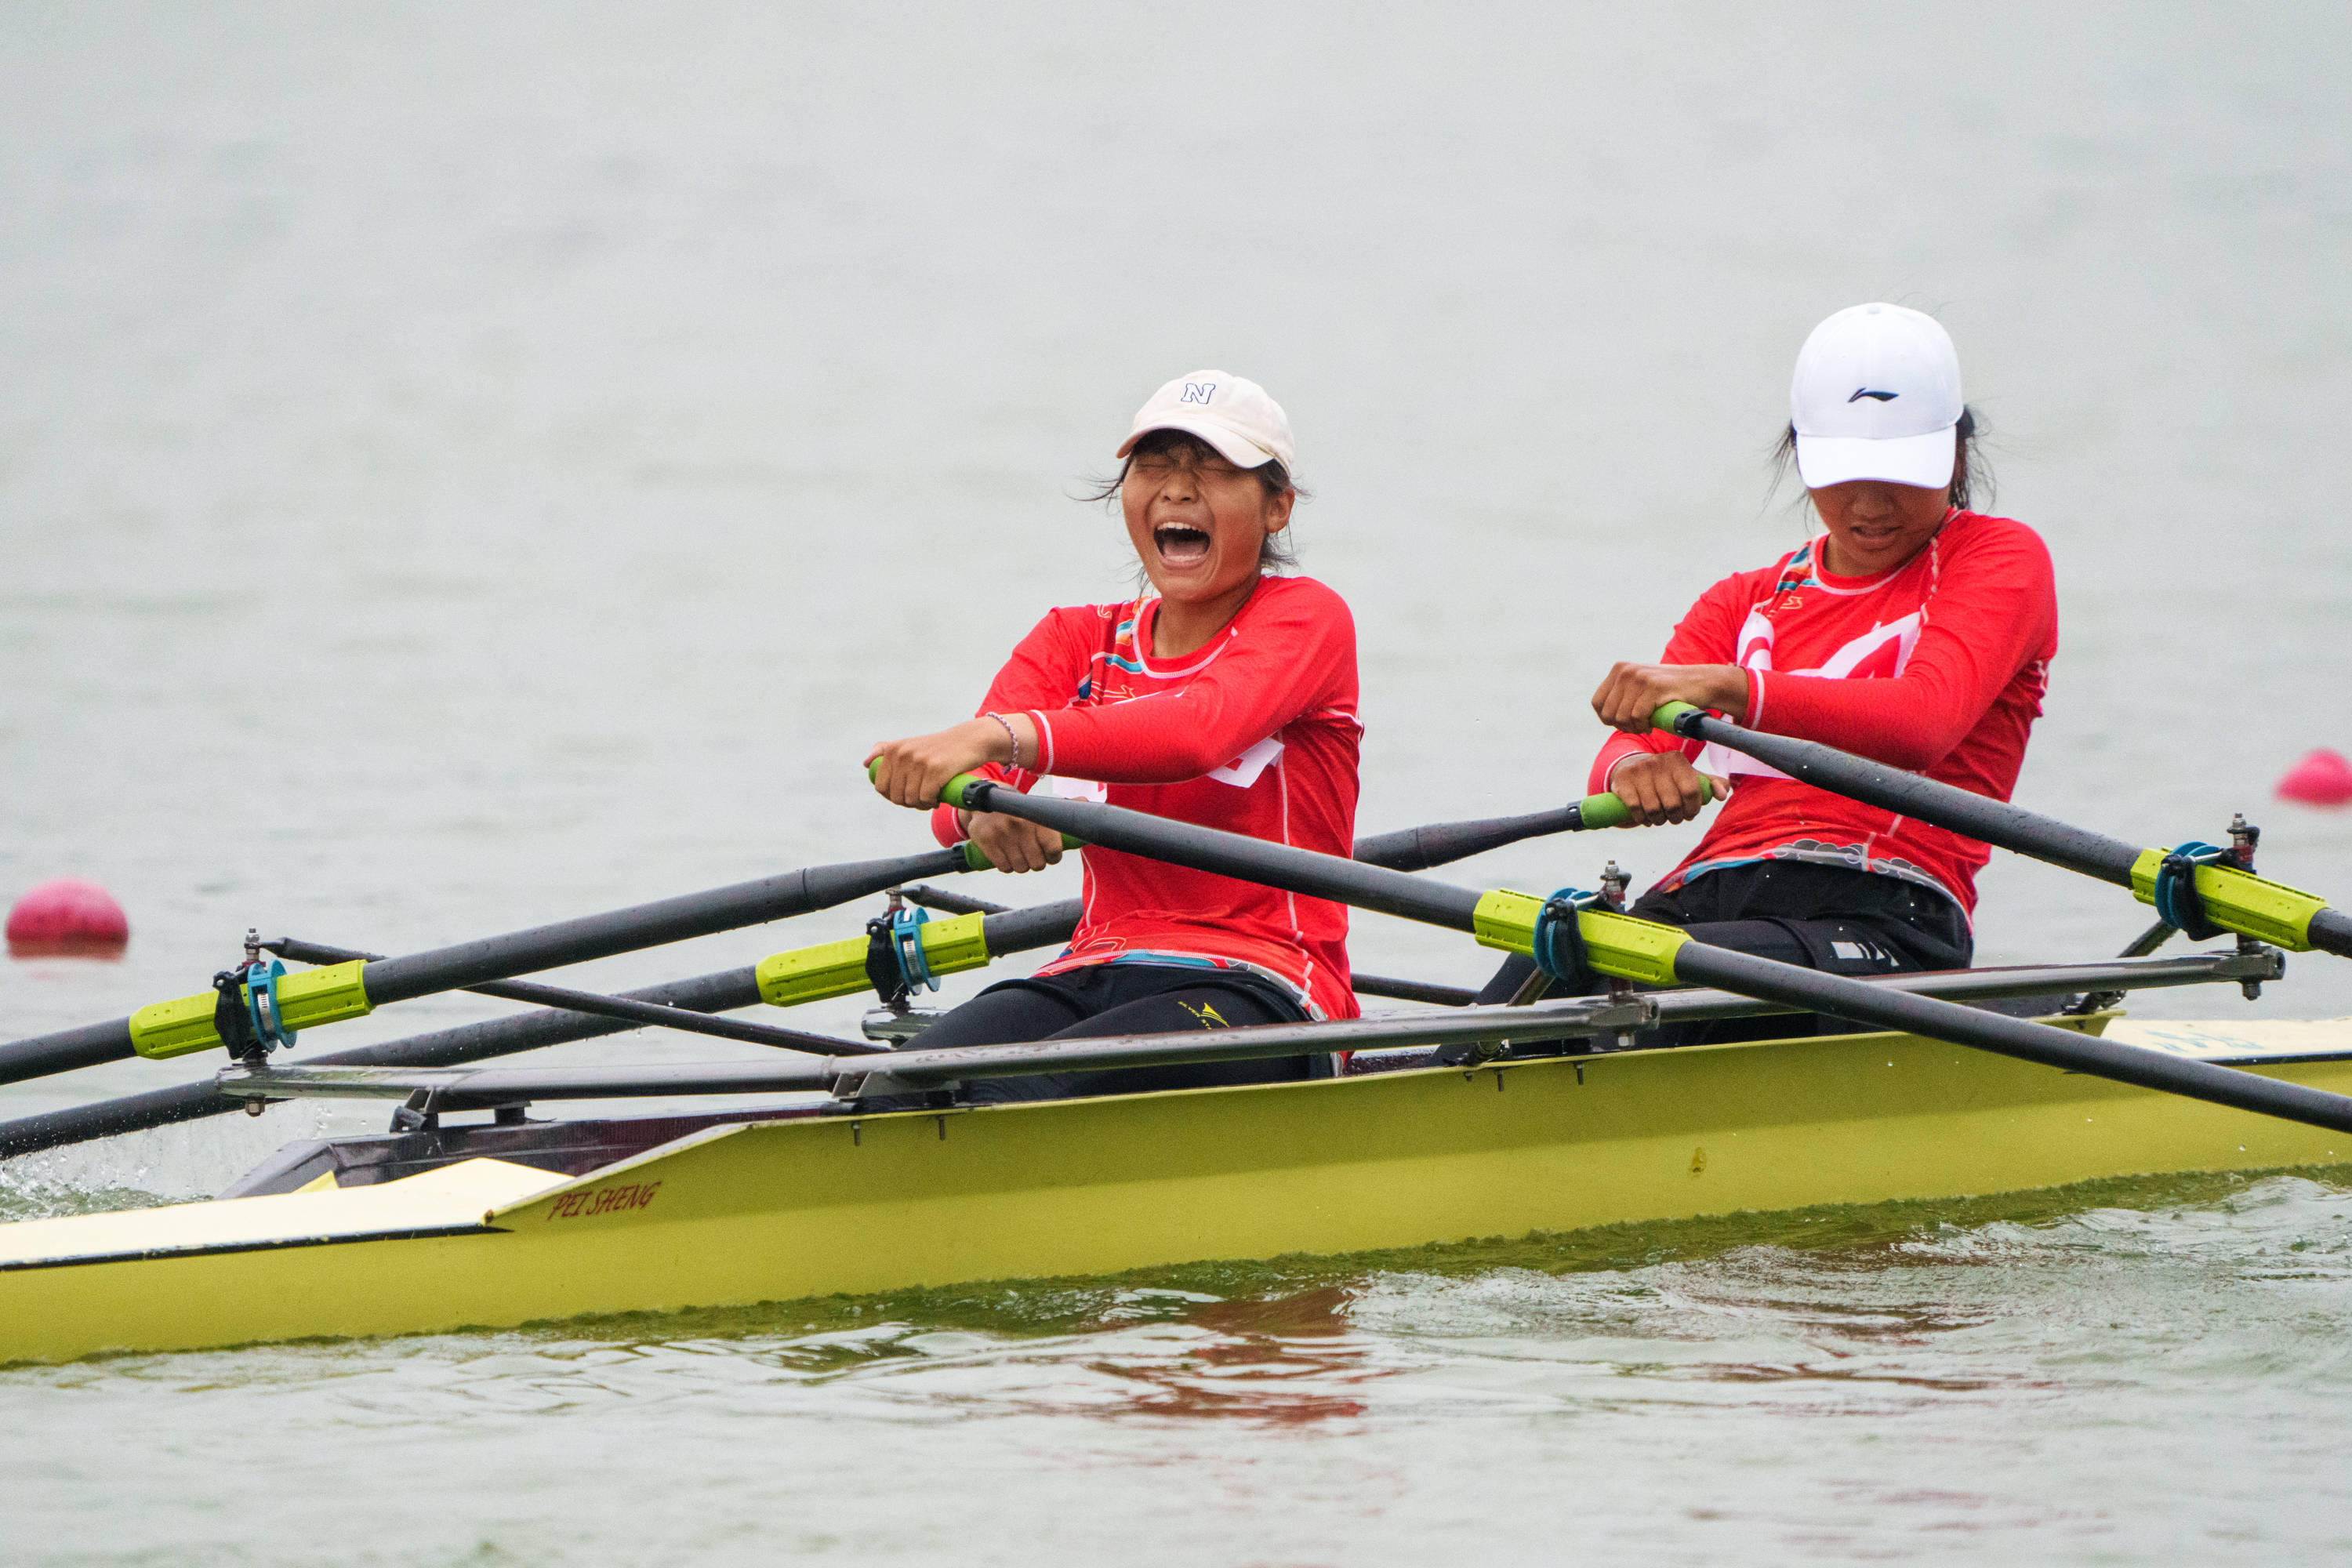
1802,572
1146,617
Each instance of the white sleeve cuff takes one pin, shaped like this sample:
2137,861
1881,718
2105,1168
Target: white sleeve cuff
1045,757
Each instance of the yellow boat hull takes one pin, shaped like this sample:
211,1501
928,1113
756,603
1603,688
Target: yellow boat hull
779,1210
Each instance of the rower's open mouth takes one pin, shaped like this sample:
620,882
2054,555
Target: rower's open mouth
1180,545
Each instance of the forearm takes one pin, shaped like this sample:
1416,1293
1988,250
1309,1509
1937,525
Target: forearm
1905,723
1123,745
1620,748
912,771
1165,740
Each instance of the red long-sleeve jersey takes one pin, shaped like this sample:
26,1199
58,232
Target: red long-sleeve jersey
1255,734
1937,666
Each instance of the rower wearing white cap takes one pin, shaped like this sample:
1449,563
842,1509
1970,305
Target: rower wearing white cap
1250,726
1911,630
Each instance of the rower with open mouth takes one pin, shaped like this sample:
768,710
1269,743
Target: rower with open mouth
1913,630
1225,696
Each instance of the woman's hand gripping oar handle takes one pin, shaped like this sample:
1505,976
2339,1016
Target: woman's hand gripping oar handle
1607,811
2235,901
1645,951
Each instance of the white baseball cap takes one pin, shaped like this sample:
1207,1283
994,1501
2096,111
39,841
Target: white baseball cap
1231,412
1876,397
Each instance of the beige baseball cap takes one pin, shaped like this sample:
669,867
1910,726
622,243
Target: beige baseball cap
1231,412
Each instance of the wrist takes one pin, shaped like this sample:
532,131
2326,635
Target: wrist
1729,696
1011,737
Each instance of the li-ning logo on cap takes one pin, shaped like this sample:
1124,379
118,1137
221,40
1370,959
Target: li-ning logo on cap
1201,391
1862,392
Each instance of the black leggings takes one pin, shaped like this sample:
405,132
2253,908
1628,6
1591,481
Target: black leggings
1793,911
1105,999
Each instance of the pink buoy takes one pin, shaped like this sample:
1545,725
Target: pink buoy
68,919
2321,778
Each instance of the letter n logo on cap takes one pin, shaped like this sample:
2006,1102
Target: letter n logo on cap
1197,390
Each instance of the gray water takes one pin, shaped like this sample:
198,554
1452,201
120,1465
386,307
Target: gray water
461,467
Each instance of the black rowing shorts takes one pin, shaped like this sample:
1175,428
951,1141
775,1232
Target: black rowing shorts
1105,999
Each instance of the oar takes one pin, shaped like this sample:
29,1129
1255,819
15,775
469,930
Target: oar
832,969
1642,951
2235,901
651,1013
923,1066
354,989
1441,843
479,1089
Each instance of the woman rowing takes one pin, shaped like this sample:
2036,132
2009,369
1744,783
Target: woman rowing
1249,726
1913,630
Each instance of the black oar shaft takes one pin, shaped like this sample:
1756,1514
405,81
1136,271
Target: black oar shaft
65,1050
2331,931
1753,976
1943,805
653,1013
1351,882
1441,843
647,925
1988,821
542,947
1412,990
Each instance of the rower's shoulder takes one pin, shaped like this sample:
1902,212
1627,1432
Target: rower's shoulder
1980,531
1295,593
1087,620
1744,588
1986,525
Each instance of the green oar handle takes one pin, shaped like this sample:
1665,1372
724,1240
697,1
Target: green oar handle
974,860
1607,810
1670,716
951,793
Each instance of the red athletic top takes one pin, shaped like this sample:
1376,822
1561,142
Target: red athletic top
1254,733
1937,666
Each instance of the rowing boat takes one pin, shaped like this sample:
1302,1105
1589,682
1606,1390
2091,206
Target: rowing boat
512,1221
1450,1123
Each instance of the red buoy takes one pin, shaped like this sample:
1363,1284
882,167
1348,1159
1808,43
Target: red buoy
68,919
2322,778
